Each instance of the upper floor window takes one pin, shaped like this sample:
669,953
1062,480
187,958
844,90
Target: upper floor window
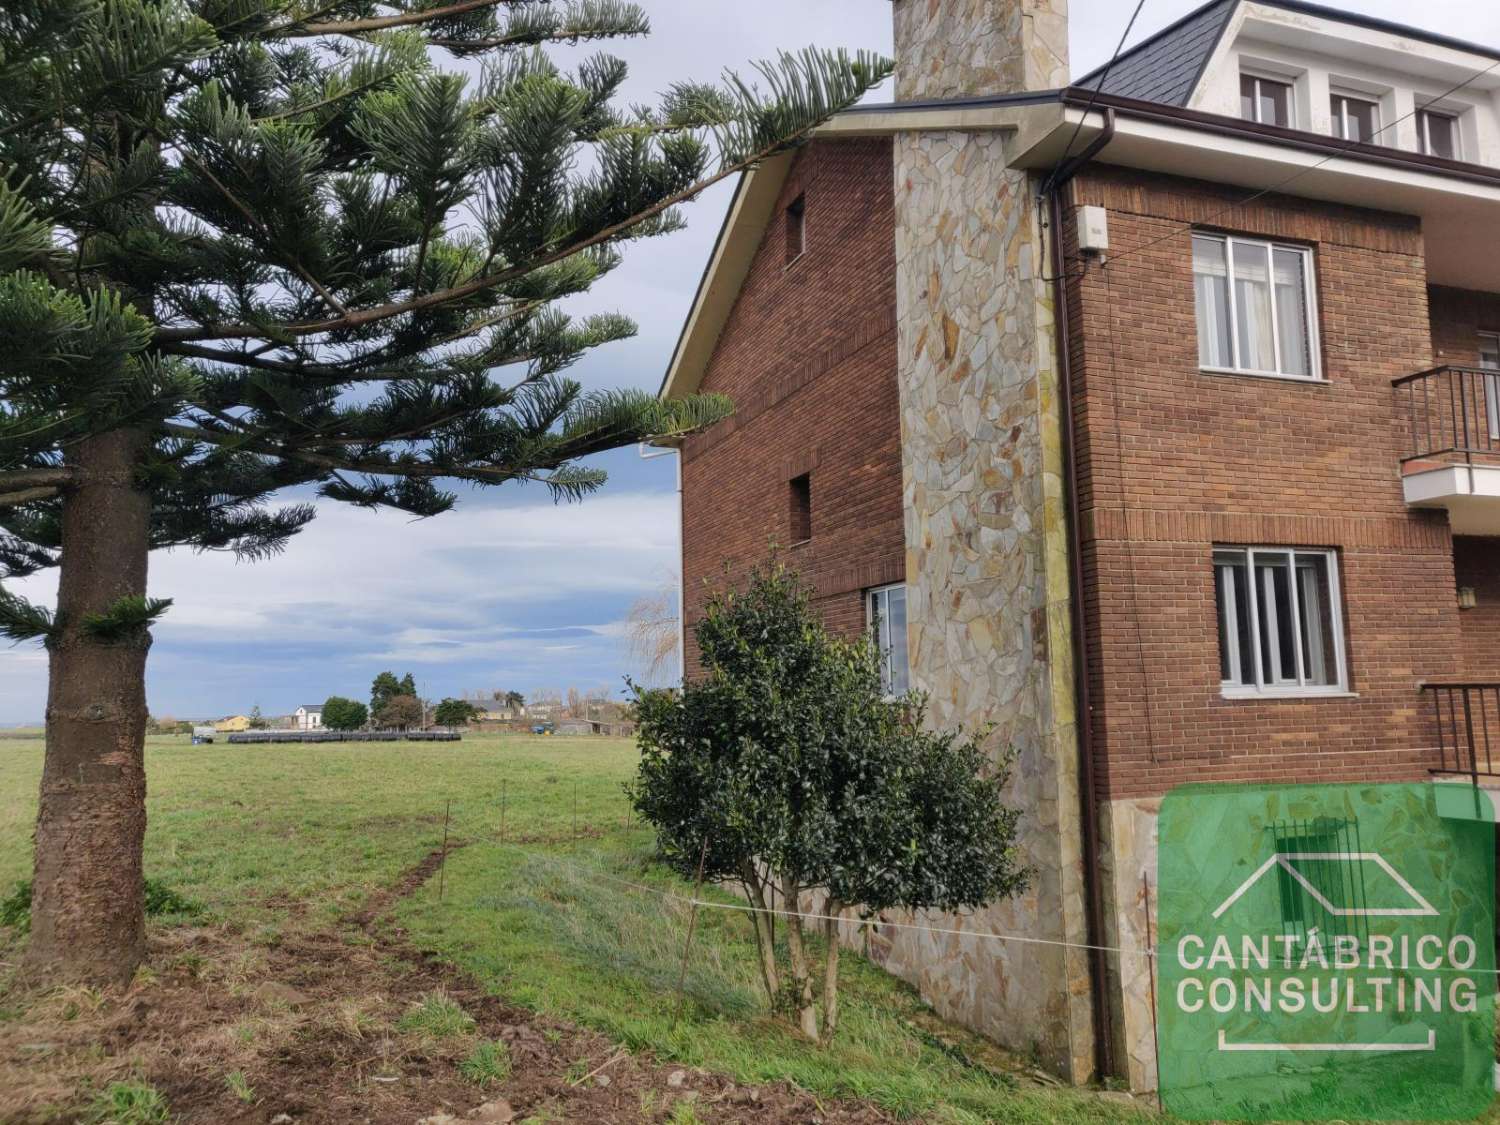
1489,360
1265,100
1355,119
1280,628
1438,133
1255,306
886,606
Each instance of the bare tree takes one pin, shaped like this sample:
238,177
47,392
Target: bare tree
652,631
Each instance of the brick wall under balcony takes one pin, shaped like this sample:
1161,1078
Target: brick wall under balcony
808,355
1176,461
1476,563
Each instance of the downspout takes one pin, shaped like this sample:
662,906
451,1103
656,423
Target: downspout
1104,1049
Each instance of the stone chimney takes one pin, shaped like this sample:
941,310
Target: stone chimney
987,570
966,48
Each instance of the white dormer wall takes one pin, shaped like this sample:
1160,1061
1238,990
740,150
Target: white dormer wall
1320,56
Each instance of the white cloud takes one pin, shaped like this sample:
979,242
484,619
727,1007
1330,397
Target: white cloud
523,590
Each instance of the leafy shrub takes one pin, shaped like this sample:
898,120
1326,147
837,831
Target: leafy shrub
788,771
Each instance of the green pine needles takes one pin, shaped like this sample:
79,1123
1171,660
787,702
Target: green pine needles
293,245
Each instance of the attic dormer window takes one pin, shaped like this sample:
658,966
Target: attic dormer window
1439,134
1265,100
1355,119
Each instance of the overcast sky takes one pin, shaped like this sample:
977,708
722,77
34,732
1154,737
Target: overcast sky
509,591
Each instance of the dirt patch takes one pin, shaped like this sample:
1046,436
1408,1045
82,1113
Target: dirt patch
410,882
312,1030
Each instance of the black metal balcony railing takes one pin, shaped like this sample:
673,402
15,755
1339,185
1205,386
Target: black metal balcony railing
1468,727
1454,412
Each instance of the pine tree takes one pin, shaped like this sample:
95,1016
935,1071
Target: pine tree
249,245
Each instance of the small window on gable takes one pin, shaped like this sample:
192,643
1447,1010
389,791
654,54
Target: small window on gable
885,607
800,506
796,229
1439,134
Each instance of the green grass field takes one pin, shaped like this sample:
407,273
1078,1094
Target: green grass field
269,838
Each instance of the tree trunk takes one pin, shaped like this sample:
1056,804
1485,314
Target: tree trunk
802,988
765,930
87,912
831,969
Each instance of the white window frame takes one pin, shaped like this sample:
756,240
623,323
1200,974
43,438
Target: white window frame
1341,119
1424,115
1287,689
1280,80
1309,299
1492,382
882,637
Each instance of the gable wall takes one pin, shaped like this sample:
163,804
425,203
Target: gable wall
808,356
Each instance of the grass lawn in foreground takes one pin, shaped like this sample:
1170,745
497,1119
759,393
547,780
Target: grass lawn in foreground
277,838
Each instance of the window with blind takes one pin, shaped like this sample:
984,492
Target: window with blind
1255,307
1280,624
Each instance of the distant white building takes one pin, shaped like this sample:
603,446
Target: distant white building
309,716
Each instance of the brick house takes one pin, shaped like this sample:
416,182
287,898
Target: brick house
1149,416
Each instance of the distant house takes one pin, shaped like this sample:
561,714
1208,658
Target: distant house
494,711
308,717
233,724
614,727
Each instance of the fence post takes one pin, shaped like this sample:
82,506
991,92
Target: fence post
687,946
1151,969
443,858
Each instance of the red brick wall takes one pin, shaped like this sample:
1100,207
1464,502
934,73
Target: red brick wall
1458,317
808,355
1176,461
1476,563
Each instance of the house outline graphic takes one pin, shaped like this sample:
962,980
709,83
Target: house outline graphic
1424,909
1281,859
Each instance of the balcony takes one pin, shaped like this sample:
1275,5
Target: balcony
1467,717
1454,458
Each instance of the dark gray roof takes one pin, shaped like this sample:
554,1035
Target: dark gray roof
1167,66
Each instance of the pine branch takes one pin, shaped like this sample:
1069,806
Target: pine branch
55,477
251,218
364,318
27,496
381,23
22,621
126,621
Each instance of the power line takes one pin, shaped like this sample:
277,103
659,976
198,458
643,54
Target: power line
1093,97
